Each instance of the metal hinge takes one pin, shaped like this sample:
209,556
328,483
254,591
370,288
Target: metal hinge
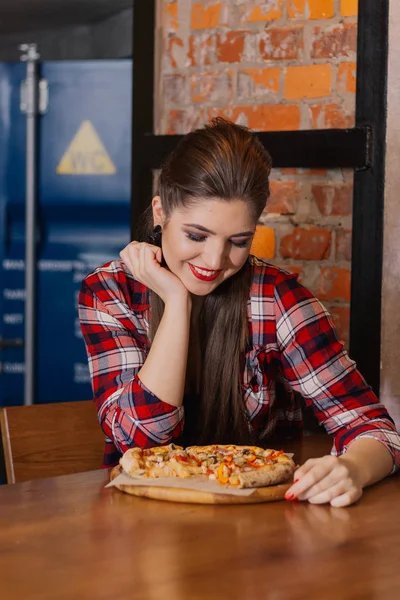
27,93
43,100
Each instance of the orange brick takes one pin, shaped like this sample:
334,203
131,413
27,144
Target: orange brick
182,121
296,9
281,43
295,269
174,89
306,244
266,10
253,83
202,50
321,9
334,41
284,197
263,244
330,116
347,77
262,117
211,86
171,16
334,284
341,318
205,17
349,8
172,42
335,200
230,46
313,81
343,244
312,9
174,121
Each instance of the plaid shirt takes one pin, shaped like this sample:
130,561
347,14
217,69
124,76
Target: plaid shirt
291,336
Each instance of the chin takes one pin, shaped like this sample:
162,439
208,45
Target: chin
203,288
200,289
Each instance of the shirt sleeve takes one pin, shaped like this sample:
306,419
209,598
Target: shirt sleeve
315,364
129,413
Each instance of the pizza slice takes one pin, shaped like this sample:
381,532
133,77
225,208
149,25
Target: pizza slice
244,466
160,461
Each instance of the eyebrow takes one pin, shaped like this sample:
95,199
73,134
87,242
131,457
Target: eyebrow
201,228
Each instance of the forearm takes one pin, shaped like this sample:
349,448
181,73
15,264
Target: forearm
164,370
371,458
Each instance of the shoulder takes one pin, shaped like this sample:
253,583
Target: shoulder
113,282
266,278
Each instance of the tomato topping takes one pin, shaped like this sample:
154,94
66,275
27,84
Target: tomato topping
182,458
275,454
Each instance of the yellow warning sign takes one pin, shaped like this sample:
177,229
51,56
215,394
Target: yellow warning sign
86,155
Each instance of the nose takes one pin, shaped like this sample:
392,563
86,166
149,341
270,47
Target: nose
215,257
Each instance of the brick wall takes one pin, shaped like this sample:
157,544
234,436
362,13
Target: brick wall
273,65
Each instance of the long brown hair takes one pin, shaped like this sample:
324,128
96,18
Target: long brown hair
228,162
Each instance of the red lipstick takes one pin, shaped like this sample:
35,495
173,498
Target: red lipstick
213,274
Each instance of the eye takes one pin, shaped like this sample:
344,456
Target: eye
241,244
196,238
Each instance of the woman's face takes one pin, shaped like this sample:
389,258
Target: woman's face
207,242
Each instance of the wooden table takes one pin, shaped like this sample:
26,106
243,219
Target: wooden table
69,538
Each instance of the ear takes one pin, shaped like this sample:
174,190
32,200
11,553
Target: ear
158,213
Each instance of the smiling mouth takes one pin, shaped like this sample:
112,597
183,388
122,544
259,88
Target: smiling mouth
204,274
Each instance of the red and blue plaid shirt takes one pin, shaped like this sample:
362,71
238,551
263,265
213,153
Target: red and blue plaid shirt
291,334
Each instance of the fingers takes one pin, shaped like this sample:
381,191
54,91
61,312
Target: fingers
344,489
149,264
322,477
347,498
324,463
310,475
140,258
325,480
129,255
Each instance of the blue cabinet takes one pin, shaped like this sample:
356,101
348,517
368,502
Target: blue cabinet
84,166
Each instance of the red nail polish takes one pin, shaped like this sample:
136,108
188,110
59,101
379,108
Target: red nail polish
289,496
295,481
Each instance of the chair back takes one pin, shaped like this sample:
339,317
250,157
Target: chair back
47,440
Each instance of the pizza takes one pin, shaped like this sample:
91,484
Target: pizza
229,465
160,461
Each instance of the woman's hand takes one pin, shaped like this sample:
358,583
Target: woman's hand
330,479
144,262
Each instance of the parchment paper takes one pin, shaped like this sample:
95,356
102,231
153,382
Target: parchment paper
198,482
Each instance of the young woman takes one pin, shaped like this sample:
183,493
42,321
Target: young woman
190,339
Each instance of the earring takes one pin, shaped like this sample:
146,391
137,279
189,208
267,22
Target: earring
155,237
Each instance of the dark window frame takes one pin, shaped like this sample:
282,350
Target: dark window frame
361,148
